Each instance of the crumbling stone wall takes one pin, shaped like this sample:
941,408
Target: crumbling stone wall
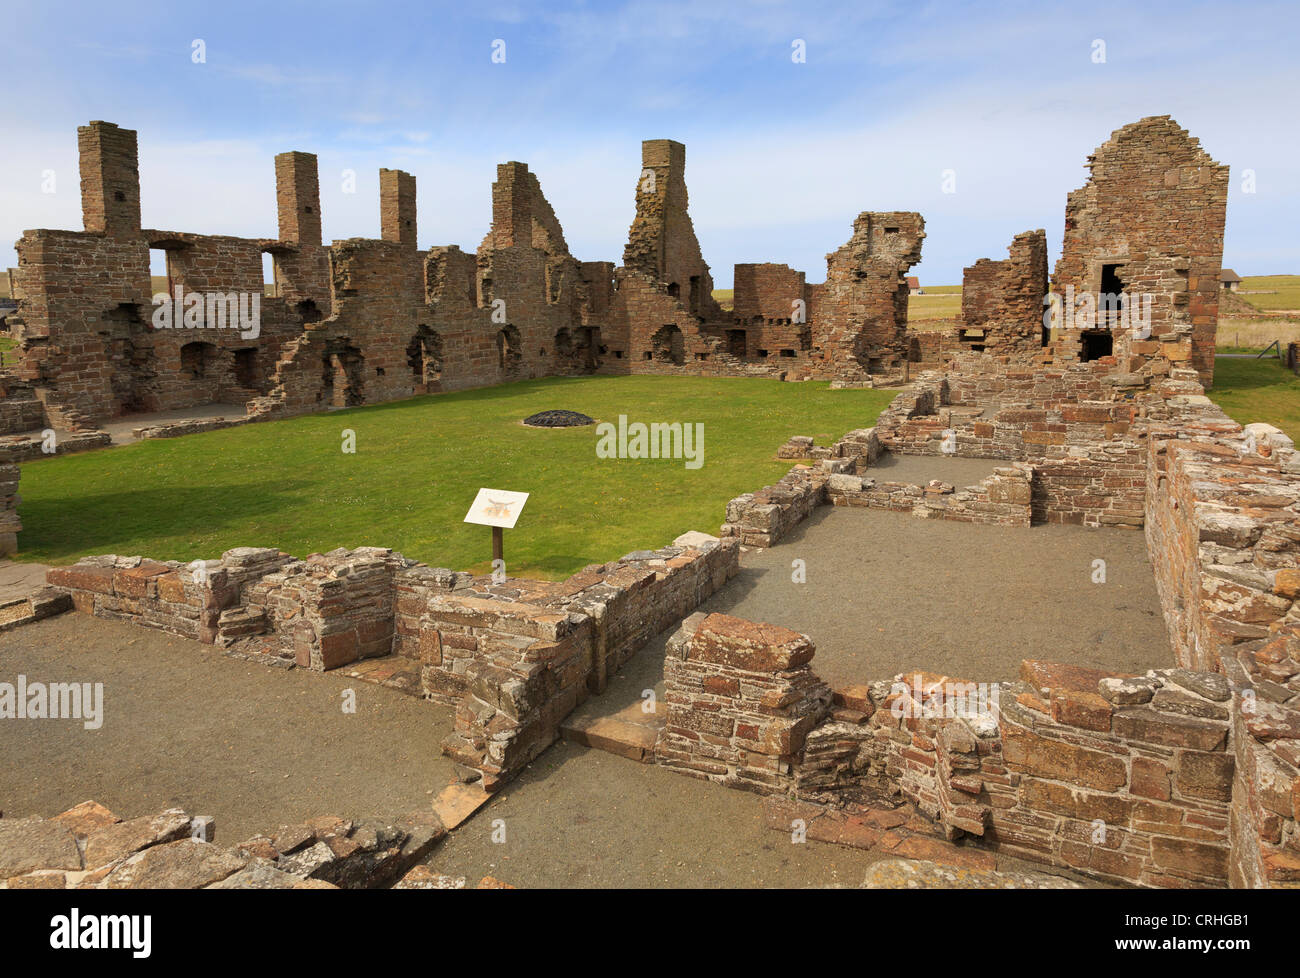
1130,779
86,345
89,847
1001,499
741,699
661,243
514,657
1153,209
1002,301
773,302
368,320
860,314
1222,503
1087,467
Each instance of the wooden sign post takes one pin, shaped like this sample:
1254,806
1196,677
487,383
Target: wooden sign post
500,510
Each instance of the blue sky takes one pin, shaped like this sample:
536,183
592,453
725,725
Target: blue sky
780,156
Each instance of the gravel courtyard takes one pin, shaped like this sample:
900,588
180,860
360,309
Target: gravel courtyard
886,592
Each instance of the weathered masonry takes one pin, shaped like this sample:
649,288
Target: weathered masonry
366,320
1194,771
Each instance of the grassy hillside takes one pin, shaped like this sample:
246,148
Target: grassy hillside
1271,292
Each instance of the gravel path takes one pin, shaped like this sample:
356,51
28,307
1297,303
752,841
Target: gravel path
887,592
184,725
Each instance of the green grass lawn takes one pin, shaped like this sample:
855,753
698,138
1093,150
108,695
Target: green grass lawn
938,302
1257,390
417,466
1279,291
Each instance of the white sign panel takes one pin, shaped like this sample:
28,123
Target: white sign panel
496,507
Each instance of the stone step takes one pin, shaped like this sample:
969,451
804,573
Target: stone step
629,733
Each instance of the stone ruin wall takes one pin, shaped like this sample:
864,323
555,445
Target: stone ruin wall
367,320
1066,749
1154,205
1193,771
1002,301
774,302
860,313
514,658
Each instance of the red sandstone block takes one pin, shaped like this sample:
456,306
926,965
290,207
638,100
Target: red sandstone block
134,581
1059,675
82,578
1140,723
1150,779
171,588
720,686
1086,710
1282,867
748,645
1287,583
1206,776
338,649
1029,753
854,698
1193,858
1063,799
1107,862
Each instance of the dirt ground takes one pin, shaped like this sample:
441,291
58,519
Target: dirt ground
920,469
886,592
186,726
579,817
258,747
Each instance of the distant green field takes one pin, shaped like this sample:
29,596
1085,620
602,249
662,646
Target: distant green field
725,298
1277,291
937,302
1258,390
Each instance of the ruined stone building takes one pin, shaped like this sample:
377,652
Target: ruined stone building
1002,301
1193,770
1150,220
367,320
1137,279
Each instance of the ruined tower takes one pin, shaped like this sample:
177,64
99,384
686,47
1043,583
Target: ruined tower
1149,222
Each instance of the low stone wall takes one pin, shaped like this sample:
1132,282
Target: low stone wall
175,429
1130,779
513,656
760,519
1264,830
517,657
1223,511
741,699
29,448
90,848
1001,499
190,600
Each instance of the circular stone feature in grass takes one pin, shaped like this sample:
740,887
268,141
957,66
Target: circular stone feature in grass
557,419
